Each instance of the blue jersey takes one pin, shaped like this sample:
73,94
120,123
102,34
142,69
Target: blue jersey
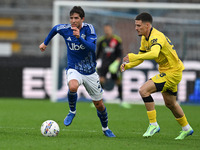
80,51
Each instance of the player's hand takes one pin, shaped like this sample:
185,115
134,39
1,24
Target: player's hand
42,47
122,67
126,59
76,32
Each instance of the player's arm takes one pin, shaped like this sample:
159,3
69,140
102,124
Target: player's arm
51,34
90,40
133,64
126,66
155,50
129,65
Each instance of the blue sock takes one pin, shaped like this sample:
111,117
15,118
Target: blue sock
103,116
72,98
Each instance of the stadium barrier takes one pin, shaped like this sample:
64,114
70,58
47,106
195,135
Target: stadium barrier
32,78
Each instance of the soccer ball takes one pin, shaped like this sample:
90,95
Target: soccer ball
50,128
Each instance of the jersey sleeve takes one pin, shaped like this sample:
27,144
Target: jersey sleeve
134,63
152,54
51,34
90,40
157,40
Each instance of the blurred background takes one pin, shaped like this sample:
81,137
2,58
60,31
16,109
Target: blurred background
25,71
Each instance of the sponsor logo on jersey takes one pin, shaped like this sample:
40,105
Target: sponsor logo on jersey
75,47
154,41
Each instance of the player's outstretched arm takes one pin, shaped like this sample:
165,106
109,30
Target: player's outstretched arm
155,50
42,47
126,66
128,63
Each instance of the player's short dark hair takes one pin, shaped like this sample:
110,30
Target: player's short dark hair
144,17
107,24
78,10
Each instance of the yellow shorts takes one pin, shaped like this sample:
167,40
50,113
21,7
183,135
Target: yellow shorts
167,81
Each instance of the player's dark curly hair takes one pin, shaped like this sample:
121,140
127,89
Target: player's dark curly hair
78,10
145,17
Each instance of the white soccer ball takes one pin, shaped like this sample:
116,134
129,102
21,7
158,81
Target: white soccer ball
50,128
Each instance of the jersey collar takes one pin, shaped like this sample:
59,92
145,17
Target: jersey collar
149,34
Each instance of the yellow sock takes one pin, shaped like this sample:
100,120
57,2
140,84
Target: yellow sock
152,116
182,121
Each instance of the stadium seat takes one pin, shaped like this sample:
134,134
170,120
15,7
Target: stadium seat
6,22
16,47
8,34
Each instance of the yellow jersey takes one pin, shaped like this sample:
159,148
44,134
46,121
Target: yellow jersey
167,59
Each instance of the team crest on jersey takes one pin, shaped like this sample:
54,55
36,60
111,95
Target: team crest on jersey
154,41
83,36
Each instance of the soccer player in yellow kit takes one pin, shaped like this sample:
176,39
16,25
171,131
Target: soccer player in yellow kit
155,45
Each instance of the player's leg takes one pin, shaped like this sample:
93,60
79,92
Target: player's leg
169,94
93,87
72,99
73,83
145,91
171,103
72,94
103,116
102,73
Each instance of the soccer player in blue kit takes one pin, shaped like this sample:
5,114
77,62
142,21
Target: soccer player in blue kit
81,39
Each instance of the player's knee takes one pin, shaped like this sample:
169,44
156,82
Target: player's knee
170,105
73,89
73,86
99,105
143,92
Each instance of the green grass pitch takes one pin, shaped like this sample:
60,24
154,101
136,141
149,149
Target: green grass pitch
20,122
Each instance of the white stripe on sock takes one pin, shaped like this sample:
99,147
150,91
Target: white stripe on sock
104,129
186,128
73,112
154,123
